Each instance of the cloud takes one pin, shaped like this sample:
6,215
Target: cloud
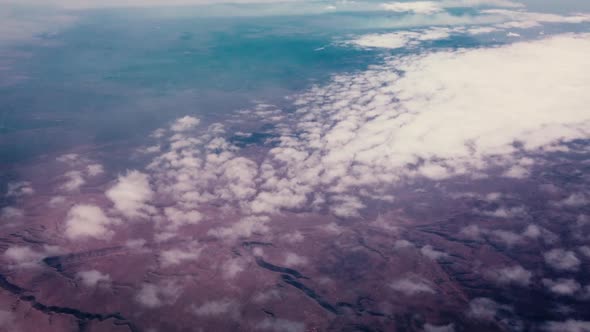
515,275
157,295
18,189
231,268
560,259
177,256
435,115
563,287
280,325
292,259
131,194
92,278
22,254
418,7
412,286
74,180
218,308
441,328
84,220
10,212
185,123
570,325
94,169
432,253
244,228
483,308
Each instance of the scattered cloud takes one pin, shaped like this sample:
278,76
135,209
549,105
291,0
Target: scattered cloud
412,286
92,278
570,325
280,325
513,275
563,260
177,256
563,287
131,195
157,295
219,308
85,220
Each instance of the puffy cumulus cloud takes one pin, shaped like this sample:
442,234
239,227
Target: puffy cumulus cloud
84,221
185,123
513,275
564,287
570,325
419,7
27,257
431,7
297,237
483,308
292,259
434,115
524,19
177,256
94,169
412,286
244,228
218,308
157,295
346,206
74,180
10,213
231,268
22,254
439,328
92,278
18,189
131,195
177,217
574,200
432,253
280,325
563,260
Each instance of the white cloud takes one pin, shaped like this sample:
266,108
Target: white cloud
483,308
570,325
400,39
292,259
92,278
231,268
440,328
432,253
564,287
22,254
218,308
94,169
185,123
131,194
157,295
84,220
244,228
74,180
418,7
18,189
280,325
412,286
515,275
10,212
560,259
459,112
177,256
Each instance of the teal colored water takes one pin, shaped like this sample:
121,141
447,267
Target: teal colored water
117,76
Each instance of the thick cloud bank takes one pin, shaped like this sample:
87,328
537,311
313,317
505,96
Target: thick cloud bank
434,115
